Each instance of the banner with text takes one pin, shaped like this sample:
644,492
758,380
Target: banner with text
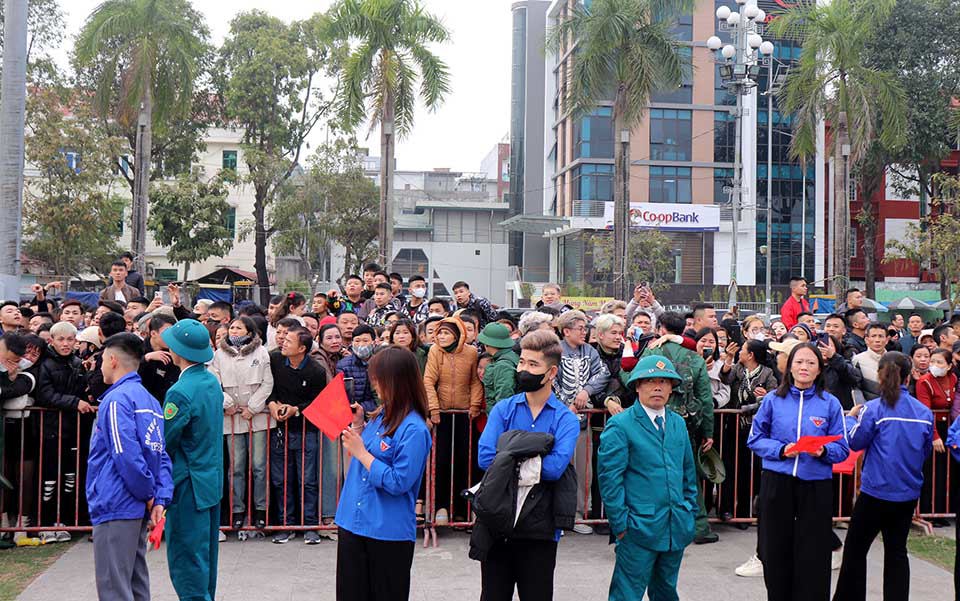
670,217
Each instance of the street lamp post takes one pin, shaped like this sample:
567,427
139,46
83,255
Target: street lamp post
739,69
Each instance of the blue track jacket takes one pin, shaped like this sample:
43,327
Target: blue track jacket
780,421
128,463
897,441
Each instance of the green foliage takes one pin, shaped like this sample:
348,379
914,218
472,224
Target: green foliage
297,286
935,240
389,53
833,77
45,27
649,257
189,217
141,48
72,216
625,52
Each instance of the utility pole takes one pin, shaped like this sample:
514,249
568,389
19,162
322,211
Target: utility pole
12,114
621,220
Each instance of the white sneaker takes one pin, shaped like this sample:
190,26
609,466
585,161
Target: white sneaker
752,568
582,528
442,518
47,537
836,559
62,535
221,537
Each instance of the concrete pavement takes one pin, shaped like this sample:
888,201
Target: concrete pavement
261,571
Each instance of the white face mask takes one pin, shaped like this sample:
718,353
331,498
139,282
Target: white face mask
418,292
937,371
761,335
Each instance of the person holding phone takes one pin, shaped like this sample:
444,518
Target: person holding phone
376,514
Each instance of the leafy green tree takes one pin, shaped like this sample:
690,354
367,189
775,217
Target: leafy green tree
625,53
190,217
270,77
935,241
833,81
651,260
72,213
152,48
45,27
389,42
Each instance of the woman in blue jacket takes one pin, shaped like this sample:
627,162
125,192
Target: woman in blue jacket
796,490
378,526
896,432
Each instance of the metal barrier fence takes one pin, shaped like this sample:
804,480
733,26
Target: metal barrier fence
45,454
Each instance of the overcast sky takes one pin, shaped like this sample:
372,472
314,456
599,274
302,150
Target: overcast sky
475,116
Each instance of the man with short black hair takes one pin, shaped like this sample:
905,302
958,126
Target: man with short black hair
835,325
319,306
352,297
416,307
807,318
868,362
467,300
10,318
157,371
119,290
376,310
704,316
396,288
220,313
857,322
796,303
129,475
347,322
944,335
912,337
133,278
437,307
71,311
369,283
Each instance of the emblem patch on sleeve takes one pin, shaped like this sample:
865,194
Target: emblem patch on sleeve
170,411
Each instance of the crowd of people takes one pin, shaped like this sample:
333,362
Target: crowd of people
486,373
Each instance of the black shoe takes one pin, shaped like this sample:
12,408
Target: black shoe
601,529
726,516
260,519
238,519
940,522
706,539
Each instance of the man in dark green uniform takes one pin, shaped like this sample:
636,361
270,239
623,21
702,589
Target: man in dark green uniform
193,429
692,400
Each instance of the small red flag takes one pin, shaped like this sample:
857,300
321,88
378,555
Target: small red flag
157,533
810,444
330,411
847,465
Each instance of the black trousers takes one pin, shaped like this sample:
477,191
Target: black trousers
452,475
372,570
795,537
872,516
525,564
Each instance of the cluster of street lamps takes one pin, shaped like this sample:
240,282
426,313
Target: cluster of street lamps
740,63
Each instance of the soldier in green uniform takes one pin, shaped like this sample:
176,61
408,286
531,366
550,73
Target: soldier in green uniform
193,429
692,400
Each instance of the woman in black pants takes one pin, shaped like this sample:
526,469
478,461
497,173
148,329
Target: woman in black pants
896,432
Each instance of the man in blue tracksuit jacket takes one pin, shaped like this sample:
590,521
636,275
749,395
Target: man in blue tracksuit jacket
129,478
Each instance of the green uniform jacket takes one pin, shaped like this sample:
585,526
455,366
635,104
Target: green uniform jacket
500,377
648,482
193,431
693,369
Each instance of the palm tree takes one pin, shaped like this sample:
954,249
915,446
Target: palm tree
831,81
379,79
13,100
624,50
152,48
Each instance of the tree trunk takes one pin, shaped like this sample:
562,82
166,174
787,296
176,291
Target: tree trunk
186,271
141,192
260,245
386,180
12,114
621,203
841,213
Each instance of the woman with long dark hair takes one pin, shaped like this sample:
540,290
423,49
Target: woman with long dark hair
896,434
796,490
330,351
403,333
293,305
378,526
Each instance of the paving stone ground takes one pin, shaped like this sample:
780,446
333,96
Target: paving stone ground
261,571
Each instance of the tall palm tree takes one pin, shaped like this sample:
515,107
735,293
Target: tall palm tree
389,54
153,48
13,100
624,53
831,81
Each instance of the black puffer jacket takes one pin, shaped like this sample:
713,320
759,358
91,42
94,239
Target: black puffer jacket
62,383
840,378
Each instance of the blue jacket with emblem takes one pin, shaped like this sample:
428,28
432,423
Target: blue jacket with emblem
783,420
897,440
648,480
128,463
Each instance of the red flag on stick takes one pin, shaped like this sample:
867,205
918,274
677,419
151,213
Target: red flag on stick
330,411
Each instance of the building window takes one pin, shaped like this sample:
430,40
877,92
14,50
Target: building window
721,178
670,134
230,159
593,135
230,221
593,182
73,161
671,185
682,94
165,275
724,137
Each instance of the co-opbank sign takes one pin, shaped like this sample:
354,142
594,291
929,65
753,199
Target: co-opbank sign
671,217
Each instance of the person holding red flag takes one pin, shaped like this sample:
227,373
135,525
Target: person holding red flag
376,515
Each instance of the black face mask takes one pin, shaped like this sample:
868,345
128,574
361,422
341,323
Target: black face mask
528,382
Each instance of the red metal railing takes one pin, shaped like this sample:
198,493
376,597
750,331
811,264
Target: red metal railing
459,472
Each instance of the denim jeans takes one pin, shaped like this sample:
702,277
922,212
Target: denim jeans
294,473
237,447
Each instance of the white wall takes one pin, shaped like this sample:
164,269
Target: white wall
486,273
